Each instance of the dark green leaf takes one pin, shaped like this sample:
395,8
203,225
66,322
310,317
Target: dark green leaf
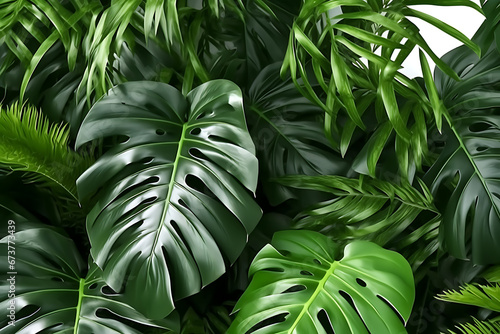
175,194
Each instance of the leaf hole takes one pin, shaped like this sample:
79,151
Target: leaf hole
274,270
149,180
267,322
317,262
177,230
148,201
203,114
107,291
182,203
348,298
121,139
107,314
197,184
160,132
196,153
220,139
27,311
481,148
325,321
195,131
92,286
361,282
393,309
306,273
480,127
295,288
146,161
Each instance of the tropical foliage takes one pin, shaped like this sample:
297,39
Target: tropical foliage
257,166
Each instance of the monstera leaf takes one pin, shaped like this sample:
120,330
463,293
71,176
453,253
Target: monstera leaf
173,197
43,282
468,163
298,287
288,133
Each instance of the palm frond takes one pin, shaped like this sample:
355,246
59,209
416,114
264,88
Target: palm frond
374,210
357,48
486,296
29,143
95,33
479,327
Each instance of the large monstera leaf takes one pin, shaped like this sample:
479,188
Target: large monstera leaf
174,198
298,287
52,292
468,163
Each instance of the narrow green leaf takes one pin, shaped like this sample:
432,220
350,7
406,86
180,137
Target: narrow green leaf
367,36
436,103
386,91
309,46
343,86
44,47
467,3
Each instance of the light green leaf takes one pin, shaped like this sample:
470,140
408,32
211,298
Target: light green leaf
297,278
29,143
480,295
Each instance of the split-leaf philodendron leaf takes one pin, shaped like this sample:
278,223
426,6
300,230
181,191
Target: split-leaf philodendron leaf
298,287
174,198
468,163
44,271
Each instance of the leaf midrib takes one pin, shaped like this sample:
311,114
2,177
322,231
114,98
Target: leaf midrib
402,201
169,193
311,299
473,163
79,305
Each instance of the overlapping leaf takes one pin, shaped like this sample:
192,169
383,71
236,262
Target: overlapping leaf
299,287
468,162
373,210
361,45
173,198
479,327
52,292
287,130
29,143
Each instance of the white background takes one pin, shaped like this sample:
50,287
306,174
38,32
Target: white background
465,19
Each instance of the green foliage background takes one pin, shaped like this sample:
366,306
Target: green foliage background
247,166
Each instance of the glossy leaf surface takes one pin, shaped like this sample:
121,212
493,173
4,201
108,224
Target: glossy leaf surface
468,163
51,295
297,281
176,200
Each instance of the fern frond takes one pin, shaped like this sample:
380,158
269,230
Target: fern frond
492,275
479,327
374,210
486,296
361,205
29,143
